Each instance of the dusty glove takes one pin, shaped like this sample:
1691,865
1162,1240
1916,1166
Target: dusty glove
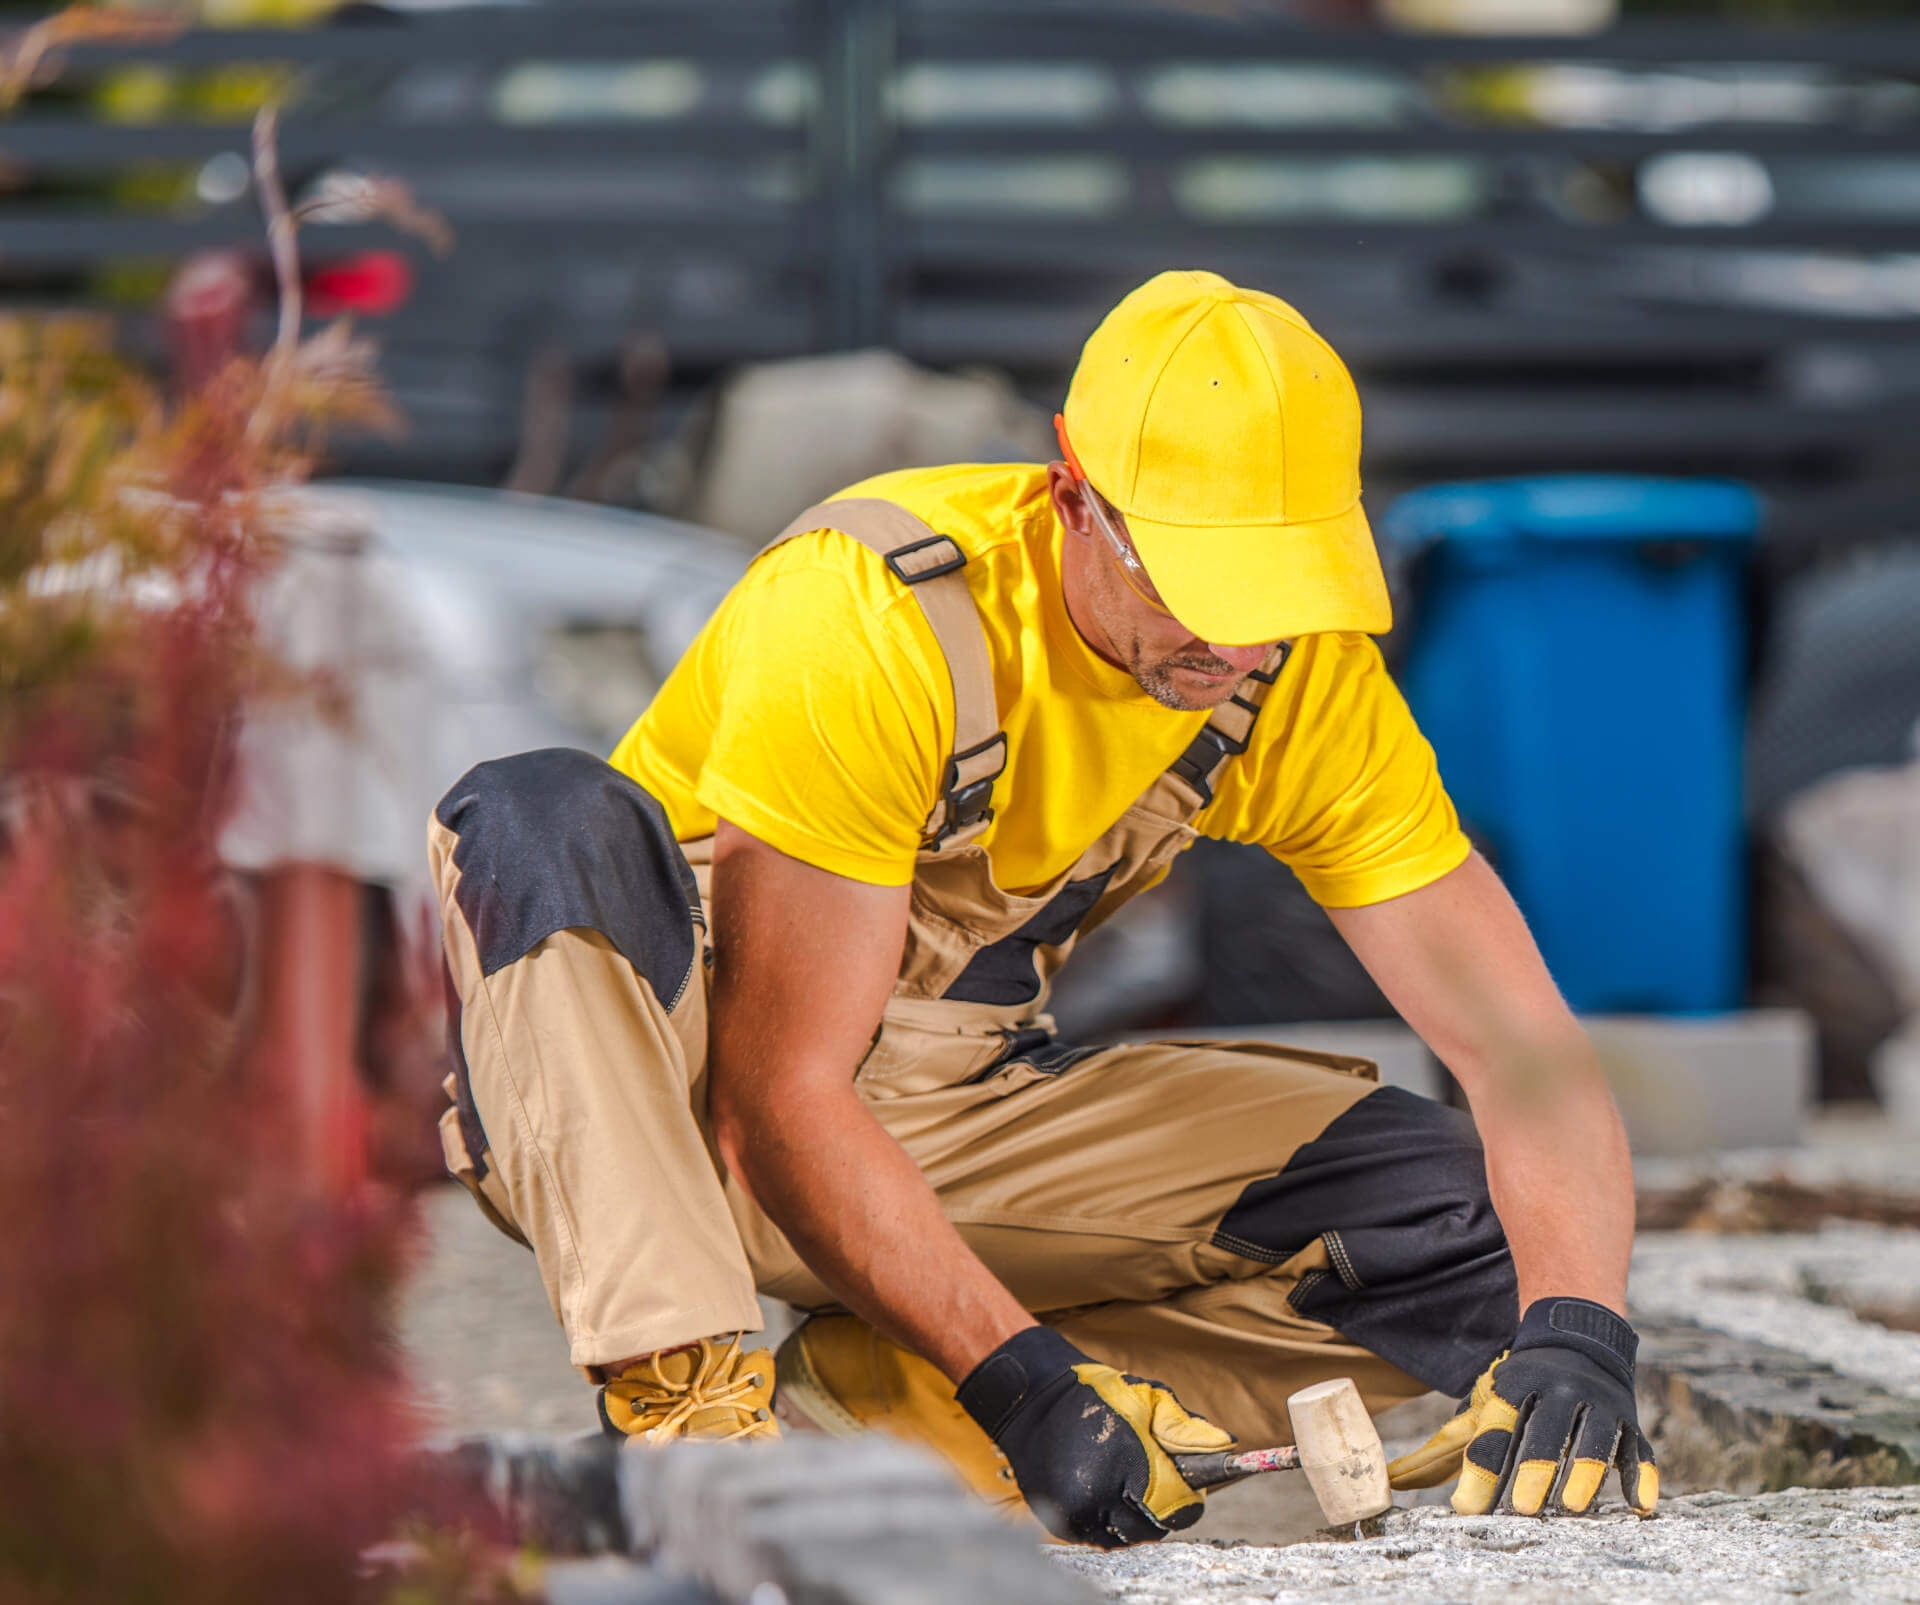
1556,1408
1089,1447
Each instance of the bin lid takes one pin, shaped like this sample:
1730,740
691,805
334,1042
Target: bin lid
1587,507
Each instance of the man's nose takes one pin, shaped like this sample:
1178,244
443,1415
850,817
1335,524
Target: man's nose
1242,658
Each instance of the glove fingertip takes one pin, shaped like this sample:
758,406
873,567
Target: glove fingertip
1583,1482
1531,1485
1643,1490
1474,1493
1183,1518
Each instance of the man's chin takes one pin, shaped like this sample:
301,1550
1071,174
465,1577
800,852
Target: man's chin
1187,690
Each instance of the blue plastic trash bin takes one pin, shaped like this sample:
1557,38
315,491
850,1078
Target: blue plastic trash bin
1578,663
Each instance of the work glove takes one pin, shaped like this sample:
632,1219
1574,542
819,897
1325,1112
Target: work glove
1089,1447
1556,1409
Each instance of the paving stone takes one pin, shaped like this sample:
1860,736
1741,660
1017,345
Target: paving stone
557,1494
614,1580
827,1521
1728,1413
1790,1291
1831,1544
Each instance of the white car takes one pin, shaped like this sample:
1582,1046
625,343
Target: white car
459,624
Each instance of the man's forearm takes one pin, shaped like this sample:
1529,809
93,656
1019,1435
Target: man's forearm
804,961
1457,961
858,1211
1558,1169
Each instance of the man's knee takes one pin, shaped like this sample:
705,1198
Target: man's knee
1419,1270
557,840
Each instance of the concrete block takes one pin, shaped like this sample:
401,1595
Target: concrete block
1690,1084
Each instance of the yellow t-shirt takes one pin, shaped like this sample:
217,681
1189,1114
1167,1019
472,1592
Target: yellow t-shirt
815,711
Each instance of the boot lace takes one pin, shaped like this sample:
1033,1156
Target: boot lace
712,1386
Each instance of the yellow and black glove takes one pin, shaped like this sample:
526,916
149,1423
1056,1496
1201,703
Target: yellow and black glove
1090,1448
1545,1419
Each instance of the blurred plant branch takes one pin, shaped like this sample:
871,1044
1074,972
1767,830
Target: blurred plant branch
22,58
199,1392
334,361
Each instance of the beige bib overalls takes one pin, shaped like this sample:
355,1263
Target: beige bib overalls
1237,1220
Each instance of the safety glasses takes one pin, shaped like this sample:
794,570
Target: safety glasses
1132,570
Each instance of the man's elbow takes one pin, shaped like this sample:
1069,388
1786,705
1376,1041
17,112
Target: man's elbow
1528,1059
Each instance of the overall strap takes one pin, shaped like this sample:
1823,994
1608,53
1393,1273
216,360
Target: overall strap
1227,733
929,565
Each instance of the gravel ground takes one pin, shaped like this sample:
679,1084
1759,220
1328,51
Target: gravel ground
1860,1544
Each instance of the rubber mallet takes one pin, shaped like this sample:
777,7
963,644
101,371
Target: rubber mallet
1334,1442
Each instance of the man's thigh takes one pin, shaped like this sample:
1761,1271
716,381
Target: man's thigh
1146,1171
1085,1177
1105,1177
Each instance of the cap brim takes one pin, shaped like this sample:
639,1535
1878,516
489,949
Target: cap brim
1238,585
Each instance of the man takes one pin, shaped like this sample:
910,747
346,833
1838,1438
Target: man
951,720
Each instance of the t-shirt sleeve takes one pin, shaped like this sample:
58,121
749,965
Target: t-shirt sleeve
830,730
1339,784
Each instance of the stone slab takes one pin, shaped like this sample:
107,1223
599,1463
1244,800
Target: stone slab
558,1495
614,1580
1745,1417
813,1520
1832,1544
1797,1291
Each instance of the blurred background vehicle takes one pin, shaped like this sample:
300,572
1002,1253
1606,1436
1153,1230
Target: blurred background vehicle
428,627
713,262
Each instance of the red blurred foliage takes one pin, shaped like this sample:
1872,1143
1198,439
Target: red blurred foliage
372,284
199,1394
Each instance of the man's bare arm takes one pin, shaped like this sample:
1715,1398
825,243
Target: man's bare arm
804,961
1457,961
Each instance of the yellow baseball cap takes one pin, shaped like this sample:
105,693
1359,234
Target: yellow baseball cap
1228,434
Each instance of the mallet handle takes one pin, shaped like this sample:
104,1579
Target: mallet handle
1230,1465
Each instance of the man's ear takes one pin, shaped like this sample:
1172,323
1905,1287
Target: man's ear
1069,500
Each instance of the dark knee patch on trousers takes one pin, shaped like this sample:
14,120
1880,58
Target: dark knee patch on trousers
1396,1187
557,840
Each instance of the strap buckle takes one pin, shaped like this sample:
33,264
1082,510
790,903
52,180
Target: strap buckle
932,571
970,803
1204,754
1213,746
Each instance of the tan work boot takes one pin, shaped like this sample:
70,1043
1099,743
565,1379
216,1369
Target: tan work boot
843,1377
706,1390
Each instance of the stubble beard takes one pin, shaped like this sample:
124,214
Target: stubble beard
1156,678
